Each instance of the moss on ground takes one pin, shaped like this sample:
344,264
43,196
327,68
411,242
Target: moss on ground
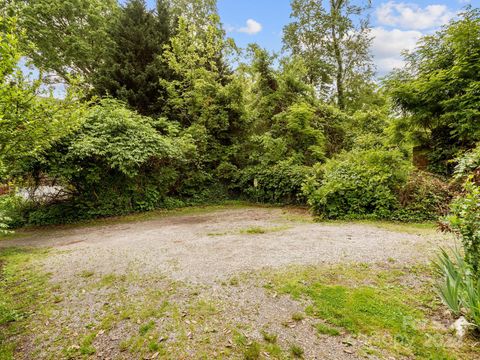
391,307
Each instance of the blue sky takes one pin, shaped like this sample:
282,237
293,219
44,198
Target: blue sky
397,25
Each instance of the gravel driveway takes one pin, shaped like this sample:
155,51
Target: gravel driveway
203,251
212,245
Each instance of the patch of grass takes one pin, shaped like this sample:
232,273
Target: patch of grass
298,316
368,301
255,230
252,351
217,234
86,347
234,281
325,329
110,280
86,274
425,228
274,351
145,328
269,337
24,291
296,351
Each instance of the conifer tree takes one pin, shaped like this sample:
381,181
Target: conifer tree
133,68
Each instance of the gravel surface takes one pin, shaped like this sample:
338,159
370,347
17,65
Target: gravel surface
205,250
208,246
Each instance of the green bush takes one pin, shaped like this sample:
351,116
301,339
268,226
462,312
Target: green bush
464,220
459,287
116,162
14,209
469,164
362,183
277,184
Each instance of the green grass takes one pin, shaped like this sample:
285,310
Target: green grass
296,351
86,347
368,301
269,337
298,316
22,288
423,228
252,351
254,230
145,328
325,329
256,349
86,274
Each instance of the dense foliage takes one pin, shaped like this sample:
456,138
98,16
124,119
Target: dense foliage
132,66
358,184
439,90
159,108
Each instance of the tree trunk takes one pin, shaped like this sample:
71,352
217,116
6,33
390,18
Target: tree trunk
335,6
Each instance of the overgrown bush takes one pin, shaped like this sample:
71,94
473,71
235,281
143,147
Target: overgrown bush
14,210
278,184
469,165
360,183
464,220
116,162
423,197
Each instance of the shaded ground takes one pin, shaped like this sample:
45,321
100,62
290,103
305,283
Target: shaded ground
210,285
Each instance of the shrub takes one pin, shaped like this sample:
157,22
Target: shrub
459,287
14,209
469,165
116,162
464,220
4,224
279,183
361,183
423,197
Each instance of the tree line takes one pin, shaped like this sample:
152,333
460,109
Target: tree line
159,108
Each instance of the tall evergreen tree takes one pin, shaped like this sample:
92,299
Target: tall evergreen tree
133,68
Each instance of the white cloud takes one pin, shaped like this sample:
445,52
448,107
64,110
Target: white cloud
253,27
412,16
387,46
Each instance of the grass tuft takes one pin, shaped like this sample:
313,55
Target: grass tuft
325,329
296,351
298,316
269,337
252,351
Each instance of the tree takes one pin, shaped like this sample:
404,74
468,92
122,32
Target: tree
67,38
203,97
439,90
30,120
198,12
133,64
334,42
